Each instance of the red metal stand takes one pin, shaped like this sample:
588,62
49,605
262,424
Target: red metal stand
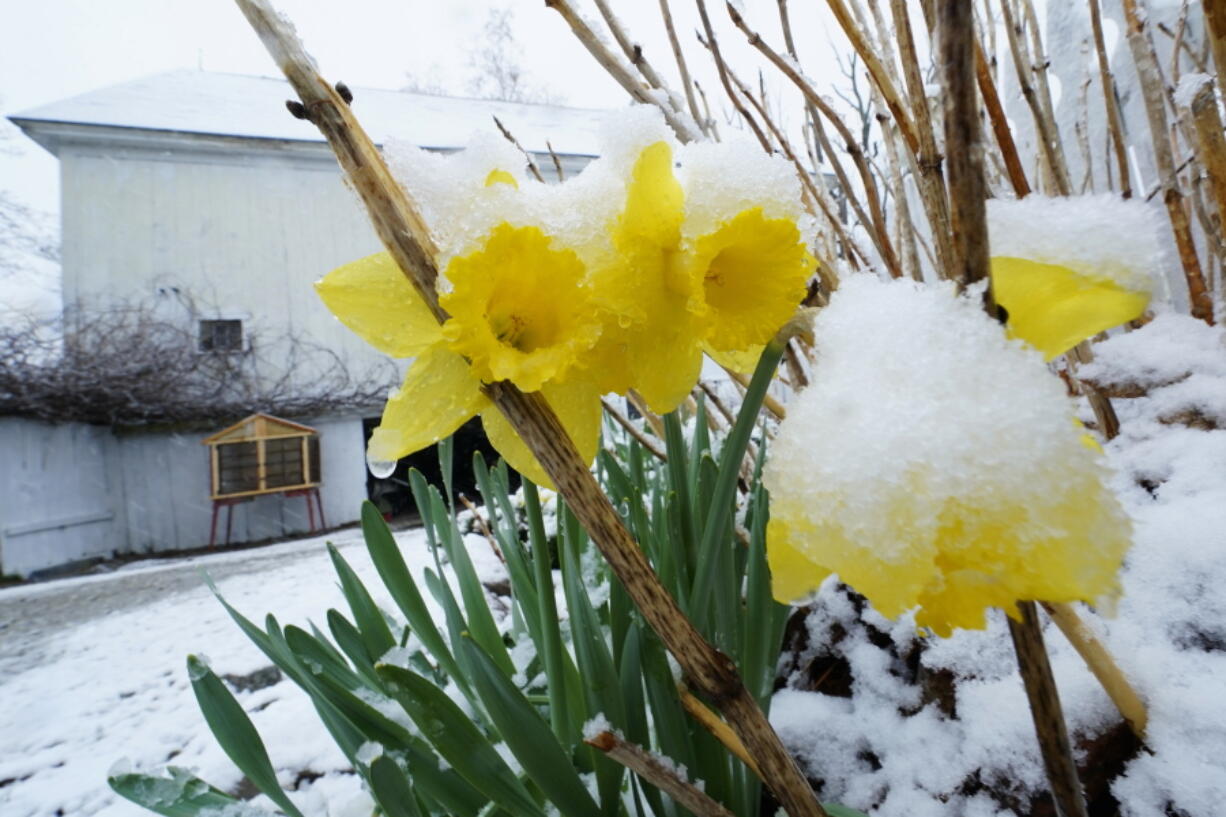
313,501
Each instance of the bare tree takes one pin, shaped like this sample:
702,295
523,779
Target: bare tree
131,365
497,73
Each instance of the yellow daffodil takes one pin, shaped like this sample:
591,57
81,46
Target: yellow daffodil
728,291
1068,268
936,466
520,311
1053,308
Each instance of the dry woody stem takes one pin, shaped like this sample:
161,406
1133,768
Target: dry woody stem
1149,75
405,234
968,194
654,771
1101,664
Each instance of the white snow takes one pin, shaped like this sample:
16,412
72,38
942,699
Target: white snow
1189,85
117,686
1099,236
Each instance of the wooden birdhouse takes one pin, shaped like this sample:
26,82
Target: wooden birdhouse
263,455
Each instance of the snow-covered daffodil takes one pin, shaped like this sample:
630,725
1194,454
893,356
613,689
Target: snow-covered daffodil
725,291
1066,269
935,466
520,311
600,284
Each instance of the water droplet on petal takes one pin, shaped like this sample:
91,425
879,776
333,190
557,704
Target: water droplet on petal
380,469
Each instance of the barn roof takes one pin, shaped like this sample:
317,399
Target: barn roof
236,105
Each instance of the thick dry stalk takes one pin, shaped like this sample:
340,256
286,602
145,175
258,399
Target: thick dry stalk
968,192
653,419
1052,161
1038,67
1215,32
510,137
404,233
557,163
1000,125
1155,109
876,225
876,71
685,129
633,51
662,775
634,431
1046,711
484,528
1212,146
928,159
1100,662
1115,122
712,723
721,68
714,400
806,180
682,68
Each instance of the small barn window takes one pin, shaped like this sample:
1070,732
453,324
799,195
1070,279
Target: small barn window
225,335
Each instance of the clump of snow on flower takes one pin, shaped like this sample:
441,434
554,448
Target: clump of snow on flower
461,207
924,415
727,177
1100,236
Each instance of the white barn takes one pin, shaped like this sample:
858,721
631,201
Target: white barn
203,183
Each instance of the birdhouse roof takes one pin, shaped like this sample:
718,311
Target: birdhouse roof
258,427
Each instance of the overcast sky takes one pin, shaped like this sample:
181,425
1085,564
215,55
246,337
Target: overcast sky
53,49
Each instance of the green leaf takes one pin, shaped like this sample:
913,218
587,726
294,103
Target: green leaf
350,641
390,787
458,740
550,646
679,480
835,810
476,606
236,734
179,795
376,635
404,591
529,738
446,456
719,518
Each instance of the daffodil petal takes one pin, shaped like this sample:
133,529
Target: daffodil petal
498,176
665,372
372,297
793,574
1054,308
577,405
743,361
439,394
654,200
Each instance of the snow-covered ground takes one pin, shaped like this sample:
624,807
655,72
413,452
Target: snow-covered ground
110,681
